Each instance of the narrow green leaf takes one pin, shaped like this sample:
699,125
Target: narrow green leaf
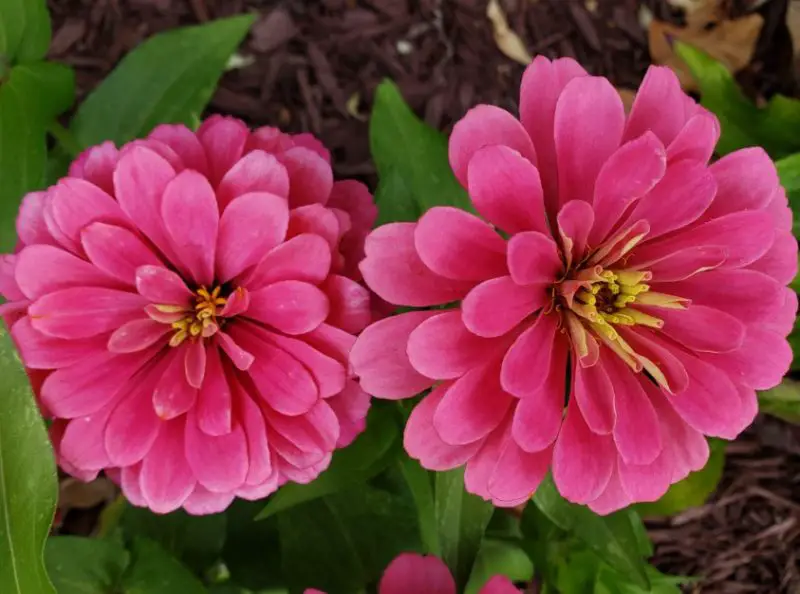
419,483
498,557
692,491
412,161
367,456
154,571
29,100
168,79
614,538
782,401
196,541
27,481
24,30
462,519
85,565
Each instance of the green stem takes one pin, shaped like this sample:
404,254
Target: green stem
65,138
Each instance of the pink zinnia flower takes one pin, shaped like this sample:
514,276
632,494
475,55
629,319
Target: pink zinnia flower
187,302
617,299
417,574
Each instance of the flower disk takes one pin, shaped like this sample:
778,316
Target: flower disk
616,300
188,303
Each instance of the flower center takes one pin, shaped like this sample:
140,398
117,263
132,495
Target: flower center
202,321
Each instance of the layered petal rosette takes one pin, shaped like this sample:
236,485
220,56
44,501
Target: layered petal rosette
615,300
189,302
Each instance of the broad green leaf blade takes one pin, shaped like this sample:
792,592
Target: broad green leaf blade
342,542
498,557
367,456
29,100
782,401
614,538
196,541
462,519
24,30
412,161
85,565
789,173
692,491
252,550
168,79
420,484
152,570
28,485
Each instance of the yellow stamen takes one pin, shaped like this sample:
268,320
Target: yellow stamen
632,277
639,317
662,300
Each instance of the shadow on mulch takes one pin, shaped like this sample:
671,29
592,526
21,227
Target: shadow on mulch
314,67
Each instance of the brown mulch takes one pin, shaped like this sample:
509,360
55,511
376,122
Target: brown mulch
314,67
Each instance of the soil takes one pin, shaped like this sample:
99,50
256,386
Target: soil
314,65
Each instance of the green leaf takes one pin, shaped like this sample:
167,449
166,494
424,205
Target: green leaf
782,401
615,538
154,571
743,123
168,79
610,582
498,557
196,541
692,491
462,519
420,486
24,30
29,100
370,453
27,480
85,565
252,549
344,541
412,161
789,173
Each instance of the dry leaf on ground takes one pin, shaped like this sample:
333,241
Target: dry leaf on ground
507,41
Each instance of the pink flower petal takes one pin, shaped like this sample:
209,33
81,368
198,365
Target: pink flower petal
533,258
778,207
219,463
223,139
527,363
414,573
240,358
133,426
214,400
702,328
258,447
195,363
613,497
333,342
84,312
780,261
575,221
496,306
310,177
538,416
315,433
594,391
39,351
697,139
379,357
305,257
681,264
658,107
582,461
630,173
76,203
256,172
746,180
646,482
354,198
87,386
588,127
191,217
252,225
350,304
293,307
486,125
43,269
761,362
542,84
394,270
351,406
473,406
82,444
184,143
130,484
166,479
657,356
518,473
137,335
96,165
203,502
139,182
173,395
506,190
458,245
423,443
162,286
687,447
481,466
316,219
116,251
442,347
31,226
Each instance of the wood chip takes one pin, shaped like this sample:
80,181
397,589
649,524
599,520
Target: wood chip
507,41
